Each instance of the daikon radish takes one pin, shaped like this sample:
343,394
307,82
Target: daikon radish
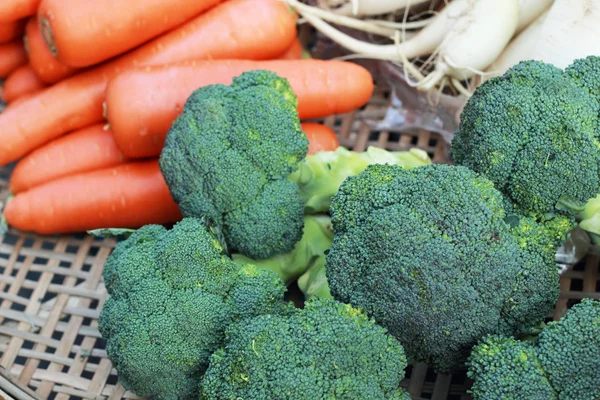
571,31
362,8
521,48
423,43
474,42
530,10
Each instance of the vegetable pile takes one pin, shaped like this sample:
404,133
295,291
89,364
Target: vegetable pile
190,134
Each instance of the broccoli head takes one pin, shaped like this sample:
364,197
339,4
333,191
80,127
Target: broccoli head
506,368
586,73
172,295
534,132
316,239
327,350
560,363
430,253
228,156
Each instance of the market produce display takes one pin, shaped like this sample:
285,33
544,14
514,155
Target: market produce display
256,254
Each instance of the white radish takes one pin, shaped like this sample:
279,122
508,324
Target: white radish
474,42
423,43
571,31
362,8
521,48
530,10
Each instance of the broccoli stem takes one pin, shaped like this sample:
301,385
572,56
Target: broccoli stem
316,239
321,174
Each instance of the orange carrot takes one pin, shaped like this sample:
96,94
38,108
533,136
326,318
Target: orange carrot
87,149
11,30
320,137
20,82
142,104
247,29
12,10
294,52
12,56
46,67
126,196
83,33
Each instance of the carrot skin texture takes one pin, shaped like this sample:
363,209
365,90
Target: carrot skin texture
74,103
320,137
106,28
11,30
294,52
88,149
45,65
12,10
126,196
142,104
20,82
12,56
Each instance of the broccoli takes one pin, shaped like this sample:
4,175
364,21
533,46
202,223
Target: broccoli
327,350
586,73
320,175
534,132
173,293
228,156
589,219
431,254
560,363
316,239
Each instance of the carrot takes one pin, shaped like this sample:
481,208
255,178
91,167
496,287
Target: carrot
12,56
83,33
87,149
320,137
126,196
45,65
294,52
248,29
12,10
142,104
11,30
20,82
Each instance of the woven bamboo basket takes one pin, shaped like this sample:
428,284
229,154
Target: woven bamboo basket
51,294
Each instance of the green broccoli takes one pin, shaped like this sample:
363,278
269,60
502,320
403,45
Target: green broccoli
320,175
316,239
431,254
228,156
173,293
560,363
586,73
534,132
327,350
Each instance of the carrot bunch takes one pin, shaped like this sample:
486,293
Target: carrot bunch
92,89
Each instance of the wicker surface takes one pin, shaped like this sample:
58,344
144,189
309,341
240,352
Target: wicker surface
52,292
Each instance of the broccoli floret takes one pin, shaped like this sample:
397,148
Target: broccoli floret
534,132
560,363
506,368
327,350
569,351
172,295
428,253
320,175
316,239
586,73
228,156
